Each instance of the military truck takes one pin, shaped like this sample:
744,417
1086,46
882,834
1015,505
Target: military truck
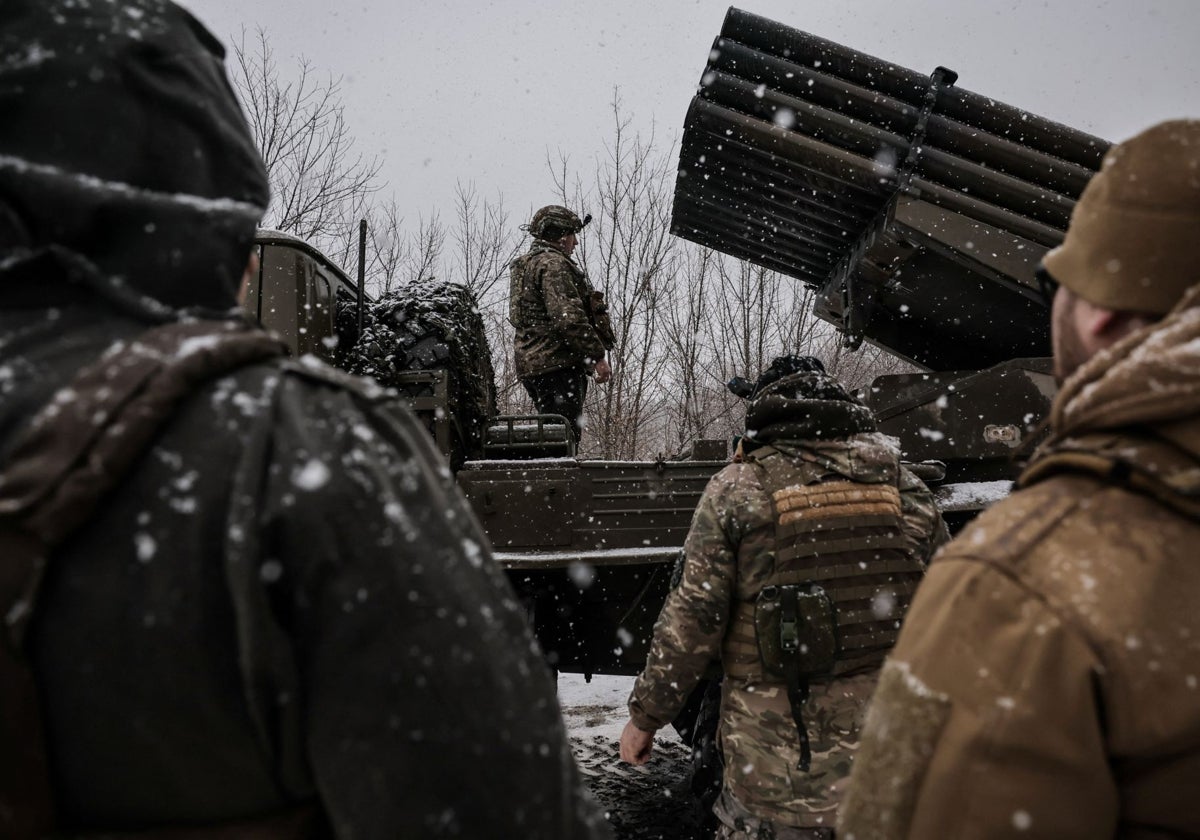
917,211
588,545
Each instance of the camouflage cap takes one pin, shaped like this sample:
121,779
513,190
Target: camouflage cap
1131,244
554,219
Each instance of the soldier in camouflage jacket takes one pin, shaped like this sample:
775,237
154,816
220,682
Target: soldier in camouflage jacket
805,434
561,322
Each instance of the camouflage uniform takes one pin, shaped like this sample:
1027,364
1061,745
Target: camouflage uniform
731,550
561,322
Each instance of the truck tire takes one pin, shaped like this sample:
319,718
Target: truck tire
431,325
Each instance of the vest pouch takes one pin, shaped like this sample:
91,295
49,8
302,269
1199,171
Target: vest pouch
796,625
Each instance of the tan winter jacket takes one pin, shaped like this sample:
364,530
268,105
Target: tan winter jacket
1046,683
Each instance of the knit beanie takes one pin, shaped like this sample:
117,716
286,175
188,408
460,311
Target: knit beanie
1133,243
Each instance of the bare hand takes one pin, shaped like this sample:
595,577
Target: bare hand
603,372
636,744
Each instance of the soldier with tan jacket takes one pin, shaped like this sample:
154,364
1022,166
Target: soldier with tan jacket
562,325
1046,683
819,526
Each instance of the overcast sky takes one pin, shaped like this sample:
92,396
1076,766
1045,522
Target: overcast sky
481,91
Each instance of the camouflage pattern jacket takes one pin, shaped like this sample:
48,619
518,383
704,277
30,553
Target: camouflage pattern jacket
560,320
1046,680
730,551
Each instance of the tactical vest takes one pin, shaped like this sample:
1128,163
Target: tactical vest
521,295
837,542
74,453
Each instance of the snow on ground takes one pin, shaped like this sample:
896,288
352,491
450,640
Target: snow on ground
599,707
596,708
651,802
970,495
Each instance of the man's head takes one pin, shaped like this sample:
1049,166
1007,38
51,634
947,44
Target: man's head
1133,246
780,367
806,404
555,223
124,150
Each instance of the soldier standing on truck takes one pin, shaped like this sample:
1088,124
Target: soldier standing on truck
818,536
241,598
1045,684
562,324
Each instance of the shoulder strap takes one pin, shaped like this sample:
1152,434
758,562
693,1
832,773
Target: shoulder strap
72,454
1145,461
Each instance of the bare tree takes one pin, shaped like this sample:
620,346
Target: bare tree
511,397
484,244
744,309
320,187
692,382
389,251
728,317
425,248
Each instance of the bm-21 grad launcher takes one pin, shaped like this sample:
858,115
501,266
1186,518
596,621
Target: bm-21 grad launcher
916,210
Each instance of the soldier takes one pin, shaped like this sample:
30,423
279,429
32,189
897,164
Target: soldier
818,533
562,324
242,599
1045,683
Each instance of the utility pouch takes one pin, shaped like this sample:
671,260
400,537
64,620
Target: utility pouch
796,627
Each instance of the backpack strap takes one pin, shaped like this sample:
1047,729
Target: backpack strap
74,452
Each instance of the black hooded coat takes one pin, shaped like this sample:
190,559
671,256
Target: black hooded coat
286,601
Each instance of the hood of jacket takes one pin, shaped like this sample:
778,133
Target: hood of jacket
1132,412
868,457
808,405
124,154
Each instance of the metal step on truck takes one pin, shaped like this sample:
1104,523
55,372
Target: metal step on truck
917,210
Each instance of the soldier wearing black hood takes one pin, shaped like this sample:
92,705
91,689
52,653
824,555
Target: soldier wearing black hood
250,602
798,566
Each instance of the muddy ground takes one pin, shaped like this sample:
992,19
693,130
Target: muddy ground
643,803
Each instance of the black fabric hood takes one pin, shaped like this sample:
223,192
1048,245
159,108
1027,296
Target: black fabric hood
123,151
806,406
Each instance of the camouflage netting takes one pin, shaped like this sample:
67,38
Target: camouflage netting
433,325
